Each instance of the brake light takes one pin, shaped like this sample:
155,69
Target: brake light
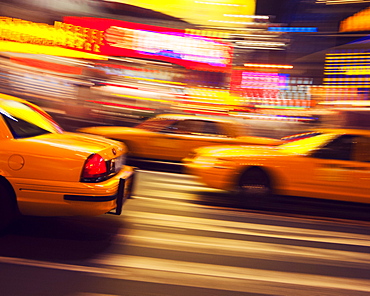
94,168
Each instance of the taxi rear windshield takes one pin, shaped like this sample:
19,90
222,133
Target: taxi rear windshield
26,120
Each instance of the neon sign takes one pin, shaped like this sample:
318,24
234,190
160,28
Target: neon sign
258,84
18,30
119,38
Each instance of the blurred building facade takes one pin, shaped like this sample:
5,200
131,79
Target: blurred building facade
273,55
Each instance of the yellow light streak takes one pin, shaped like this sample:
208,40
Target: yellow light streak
155,80
10,46
269,66
141,98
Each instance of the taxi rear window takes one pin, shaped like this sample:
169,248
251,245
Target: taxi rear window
26,120
23,129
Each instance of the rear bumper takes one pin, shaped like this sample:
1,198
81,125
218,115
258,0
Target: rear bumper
56,198
124,192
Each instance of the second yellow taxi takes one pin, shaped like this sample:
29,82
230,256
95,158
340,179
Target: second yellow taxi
327,164
171,137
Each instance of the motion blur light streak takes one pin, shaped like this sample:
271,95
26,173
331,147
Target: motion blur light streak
120,105
346,70
268,66
48,65
293,29
335,2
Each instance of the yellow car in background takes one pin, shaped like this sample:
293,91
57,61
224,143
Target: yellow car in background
327,164
171,137
48,172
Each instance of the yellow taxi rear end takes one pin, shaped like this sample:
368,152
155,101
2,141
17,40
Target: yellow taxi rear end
49,172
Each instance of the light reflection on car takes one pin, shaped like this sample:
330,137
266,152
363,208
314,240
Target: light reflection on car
327,164
46,171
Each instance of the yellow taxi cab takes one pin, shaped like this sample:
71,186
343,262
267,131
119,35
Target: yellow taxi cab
171,137
327,164
48,172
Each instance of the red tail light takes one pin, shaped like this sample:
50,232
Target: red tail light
94,169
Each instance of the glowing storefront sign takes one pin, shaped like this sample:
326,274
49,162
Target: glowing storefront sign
119,38
17,35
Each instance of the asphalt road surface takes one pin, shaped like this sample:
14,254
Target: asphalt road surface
177,237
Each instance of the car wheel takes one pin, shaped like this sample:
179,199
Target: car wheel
255,184
8,206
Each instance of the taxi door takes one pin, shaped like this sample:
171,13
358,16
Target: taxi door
361,169
177,140
336,173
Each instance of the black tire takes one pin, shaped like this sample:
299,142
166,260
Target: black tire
255,185
8,206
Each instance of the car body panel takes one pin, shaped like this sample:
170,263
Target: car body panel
175,135
307,167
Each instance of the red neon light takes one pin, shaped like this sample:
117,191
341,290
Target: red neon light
205,112
119,85
125,67
60,68
120,105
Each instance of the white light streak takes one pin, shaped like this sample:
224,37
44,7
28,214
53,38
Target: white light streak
212,3
262,17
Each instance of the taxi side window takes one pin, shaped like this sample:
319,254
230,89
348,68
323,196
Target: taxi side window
340,148
186,127
362,149
23,129
195,127
212,128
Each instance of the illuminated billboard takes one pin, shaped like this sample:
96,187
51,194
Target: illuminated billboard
119,38
258,85
17,35
97,38
211,13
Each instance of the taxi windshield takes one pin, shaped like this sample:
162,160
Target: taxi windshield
27,120
306,144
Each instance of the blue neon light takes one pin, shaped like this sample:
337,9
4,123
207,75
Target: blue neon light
292,29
